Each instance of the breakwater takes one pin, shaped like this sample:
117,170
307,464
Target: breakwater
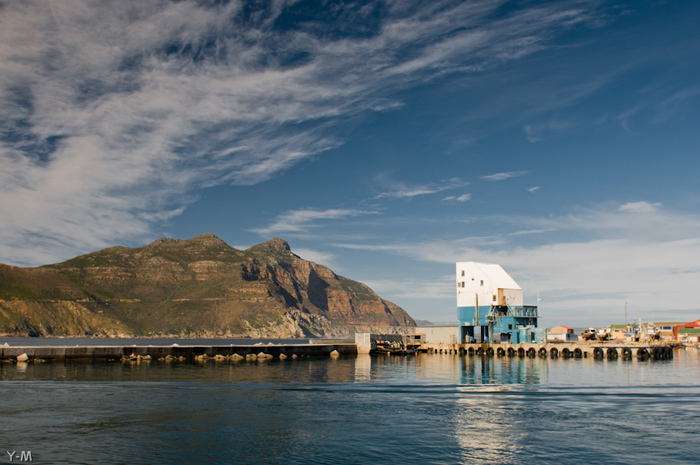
106,353
611,350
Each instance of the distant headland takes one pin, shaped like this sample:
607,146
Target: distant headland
200,287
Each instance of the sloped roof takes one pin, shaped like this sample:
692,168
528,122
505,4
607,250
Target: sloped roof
498,275
561,329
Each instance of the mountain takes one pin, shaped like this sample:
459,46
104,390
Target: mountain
199,287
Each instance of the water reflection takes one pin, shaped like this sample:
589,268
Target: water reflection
487,370
301,370
485,427
439,369
21,367
363,367
486,418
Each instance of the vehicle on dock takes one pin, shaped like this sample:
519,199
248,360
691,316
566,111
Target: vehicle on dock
604,334
589,334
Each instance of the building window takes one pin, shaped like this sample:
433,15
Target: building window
482,282
462,272
494,297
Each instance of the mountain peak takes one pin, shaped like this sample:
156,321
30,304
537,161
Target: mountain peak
162,240
207,239
280,245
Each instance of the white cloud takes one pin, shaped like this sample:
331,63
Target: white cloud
461,198
639,207
407,194
532,190
624,257
114,112
414,289
504,176
321,258
401,191
301,221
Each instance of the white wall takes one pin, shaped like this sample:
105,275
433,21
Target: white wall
439,334
480,282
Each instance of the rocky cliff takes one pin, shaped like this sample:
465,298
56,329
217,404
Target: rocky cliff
199,287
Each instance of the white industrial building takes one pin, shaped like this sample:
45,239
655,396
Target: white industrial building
489,300
486,284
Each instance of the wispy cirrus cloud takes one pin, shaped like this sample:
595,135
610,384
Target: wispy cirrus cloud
321,258
115,114
409,192
402,191
458,198
504,176
676,103
537,132
640,207
418,289
301,221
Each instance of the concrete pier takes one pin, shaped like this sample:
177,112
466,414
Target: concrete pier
105,353
599,350
574,350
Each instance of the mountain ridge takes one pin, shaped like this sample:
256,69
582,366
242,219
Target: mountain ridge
198,287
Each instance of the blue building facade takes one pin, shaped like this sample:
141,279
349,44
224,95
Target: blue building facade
499,322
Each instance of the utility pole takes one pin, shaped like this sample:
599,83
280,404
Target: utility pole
625,313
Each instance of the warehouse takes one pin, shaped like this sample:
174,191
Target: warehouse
561,333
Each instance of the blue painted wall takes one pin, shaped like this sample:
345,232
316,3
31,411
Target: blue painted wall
505,319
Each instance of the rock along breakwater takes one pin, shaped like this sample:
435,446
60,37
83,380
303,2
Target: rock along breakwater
190,352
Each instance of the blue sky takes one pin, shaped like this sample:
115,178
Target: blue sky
386,140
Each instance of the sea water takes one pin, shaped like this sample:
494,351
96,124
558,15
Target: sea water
425,409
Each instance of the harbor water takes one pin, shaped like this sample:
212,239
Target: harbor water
424,409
